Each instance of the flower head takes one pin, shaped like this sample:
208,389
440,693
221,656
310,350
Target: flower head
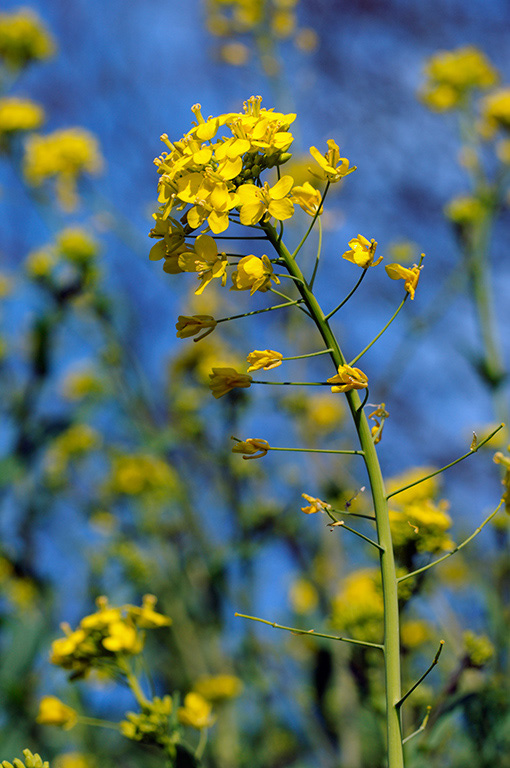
191,325
205,260
218,687
196,711
252,448
52,711
411,276
19,115
223,380
348,378
264,359
23,38
362,252
332,166
308,197
253,274
496,109
452,74
31,761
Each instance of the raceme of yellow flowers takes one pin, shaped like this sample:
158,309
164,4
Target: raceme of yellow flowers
23,39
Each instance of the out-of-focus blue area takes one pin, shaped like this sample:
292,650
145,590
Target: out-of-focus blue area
130,71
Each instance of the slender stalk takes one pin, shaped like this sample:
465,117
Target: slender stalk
455,549
392,318
351,293
297,631
317,450
420,729
447,466
319,249
342,524
289,303
427,672
386,556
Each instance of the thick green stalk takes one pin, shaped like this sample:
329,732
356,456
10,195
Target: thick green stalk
386,556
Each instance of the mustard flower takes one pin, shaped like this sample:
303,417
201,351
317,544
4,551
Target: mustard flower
422,526
348,378
308,197
210,198
266,201
264,359
332,166
452,74
30,761
379,415
253,274
205,260
315,505
145,616
191,325
303,597
465,209
252,448
362,252
23,38
410,275
52,711
223,380
19,115
196,712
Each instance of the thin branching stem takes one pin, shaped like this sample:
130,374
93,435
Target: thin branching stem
422,678
351,293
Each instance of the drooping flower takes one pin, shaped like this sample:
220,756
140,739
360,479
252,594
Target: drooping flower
264,359
308,198
266,201
52,711
253,274
191,325
223,380
332,166
252,448
348,378
362,252
410,275
315,505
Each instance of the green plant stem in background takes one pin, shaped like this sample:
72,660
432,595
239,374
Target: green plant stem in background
386,555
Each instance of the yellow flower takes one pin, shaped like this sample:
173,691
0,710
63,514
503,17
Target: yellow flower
73,760
465,209
139,473
264,359
205,260
19,115
496,108
196,712
64,155
308,197
77,245
303,596
411,276
122,637
422,526
39,263
362,252
452,74
223,380
31,761
379,416
253,447
332,166
145,616
266,201
316,505
348,378
23,38
52,711
479,649
191,325
253,274
82,383
414,633
218,687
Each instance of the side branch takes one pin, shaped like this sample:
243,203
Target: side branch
422,678
297,631
438,471
456,549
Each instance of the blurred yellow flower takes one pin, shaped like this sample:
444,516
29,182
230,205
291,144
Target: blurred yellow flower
18,114
196,711
218,687
223,380
303,596
52,711
452,74
421,525
465,209
315,505
348,378
23,38
73,760
77,245
496,109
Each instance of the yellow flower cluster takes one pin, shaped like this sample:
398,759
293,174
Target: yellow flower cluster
218,687
23,38
464,210
73,760
20,591
105,637
63,155
196,712
18,114
30,761
479,649
134,474
451,75
73,443
496,110
52,711
82,383
500,458
358,609
151,724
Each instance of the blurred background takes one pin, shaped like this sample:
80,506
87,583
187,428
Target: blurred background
116,472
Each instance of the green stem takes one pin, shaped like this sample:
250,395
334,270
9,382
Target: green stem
289,303
420,729
455,549
305,236
310,354
319,249
97,722
447,466
316,450
422,678
392,318
297,631
351,293
340,523
386,556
